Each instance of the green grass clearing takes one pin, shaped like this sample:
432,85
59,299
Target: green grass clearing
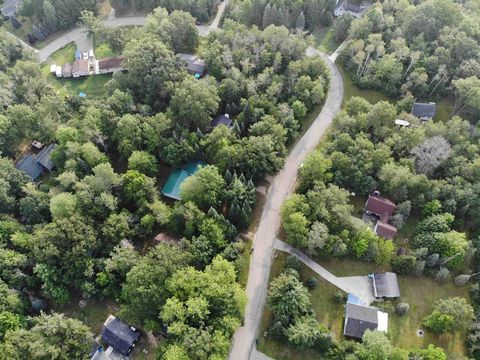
352,90
325,40
103,50
65,54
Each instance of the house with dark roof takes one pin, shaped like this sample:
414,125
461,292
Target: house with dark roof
165,238
171,189
66,70
37,165
381,209
110,65
9,8
385,285
223,119
195,66
424,111
119,335
80,68
360,318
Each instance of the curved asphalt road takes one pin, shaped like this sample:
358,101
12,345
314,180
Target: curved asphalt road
283,184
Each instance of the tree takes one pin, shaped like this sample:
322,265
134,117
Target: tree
194,103
63,205
35,206
9,322
316,167
296,229
300,23
430,154
51,337
404,264
432,353
50,14
144,291
317,238
305,332
449,314
467,94
375,346
144,162
182,32
122,259
204,309
204,188
138,187
288,298
342,26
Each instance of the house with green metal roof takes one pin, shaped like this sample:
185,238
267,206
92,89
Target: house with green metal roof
171,189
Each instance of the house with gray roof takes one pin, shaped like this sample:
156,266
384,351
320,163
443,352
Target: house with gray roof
385,285
195,66
360,318
39,164
119,335
10,7
424,111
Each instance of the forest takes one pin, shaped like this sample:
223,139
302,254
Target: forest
85,230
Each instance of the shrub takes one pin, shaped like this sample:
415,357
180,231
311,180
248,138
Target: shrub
404,264
340,297
402,308
292,262
419,267
462,280
311,283
386,306
443,274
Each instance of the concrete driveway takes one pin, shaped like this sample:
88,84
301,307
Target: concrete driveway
282,186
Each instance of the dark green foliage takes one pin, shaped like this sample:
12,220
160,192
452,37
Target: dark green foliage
404,264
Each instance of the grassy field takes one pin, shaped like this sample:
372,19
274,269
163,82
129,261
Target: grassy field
324,39
102,50
420,293
93,86
351,90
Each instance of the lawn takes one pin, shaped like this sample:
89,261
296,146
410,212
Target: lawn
102,50
93,86
329,313
324,39
420,293
351,89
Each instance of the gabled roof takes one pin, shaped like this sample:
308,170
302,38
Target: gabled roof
358,319
119,335
113,62
424,111
194,64
385,230
80,66
9,7
221,120
44,157
385,284
380,206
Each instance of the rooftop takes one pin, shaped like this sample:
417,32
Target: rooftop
385,284
358,319
424,111
119,335
113,62
221,120
385,230
380,206
171,189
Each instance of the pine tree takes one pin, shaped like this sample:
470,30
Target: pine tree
200,133
300,23
267,17
228,176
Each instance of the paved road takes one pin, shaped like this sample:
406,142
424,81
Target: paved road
282,186
357,285
78,36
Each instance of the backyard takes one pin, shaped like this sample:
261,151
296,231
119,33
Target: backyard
92,86
419,292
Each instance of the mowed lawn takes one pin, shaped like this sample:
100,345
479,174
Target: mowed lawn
328,312
324,39
420,293
92,86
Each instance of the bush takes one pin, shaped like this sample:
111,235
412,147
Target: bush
311,283
386,305
340,297
404,264
432,260
462,280
402,308
419,267
292,262
443,274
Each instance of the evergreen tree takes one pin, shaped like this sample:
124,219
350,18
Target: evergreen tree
268,19
300,24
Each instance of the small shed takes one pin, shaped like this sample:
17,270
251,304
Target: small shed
424,111
119,335
221,120
385,285
67,70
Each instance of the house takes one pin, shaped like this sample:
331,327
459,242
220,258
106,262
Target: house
385,285
221,120
171,189
37,165
119,335
424,111
195,66
165,238
9,8
80,68
66,70
381,209
110,65
360,318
